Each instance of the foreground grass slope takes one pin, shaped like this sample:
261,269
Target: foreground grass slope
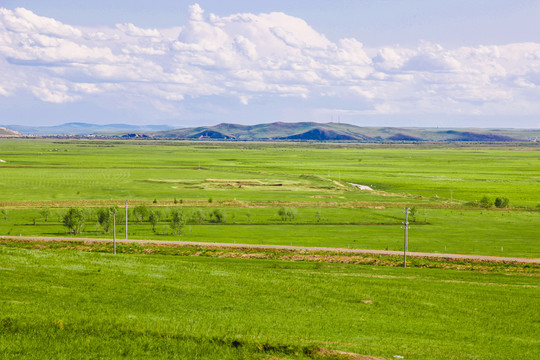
66,304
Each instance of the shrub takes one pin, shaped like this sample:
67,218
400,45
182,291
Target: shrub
501,202
485,202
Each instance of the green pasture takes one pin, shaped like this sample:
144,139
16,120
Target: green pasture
82,170
471,231
68,304
251,181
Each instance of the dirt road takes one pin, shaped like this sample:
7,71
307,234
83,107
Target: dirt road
281,247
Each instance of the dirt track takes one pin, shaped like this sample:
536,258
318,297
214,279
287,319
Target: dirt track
283,247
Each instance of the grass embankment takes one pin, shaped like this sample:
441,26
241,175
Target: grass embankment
71,304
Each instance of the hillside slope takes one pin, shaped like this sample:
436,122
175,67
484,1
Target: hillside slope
4,132
311,131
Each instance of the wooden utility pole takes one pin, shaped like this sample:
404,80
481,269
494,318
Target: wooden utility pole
114,231
126,218
406,244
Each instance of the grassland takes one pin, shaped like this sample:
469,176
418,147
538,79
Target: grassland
63,300
69,304
251,181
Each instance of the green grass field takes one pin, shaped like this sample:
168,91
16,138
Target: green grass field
251,181
499,233
68,304
78,301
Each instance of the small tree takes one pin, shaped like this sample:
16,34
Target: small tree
287,213
140,212
282,212
502,202
217,216
318,216
291,214
74,220
4,213
197,216
154,217
105,218
178,221
412,212
45,212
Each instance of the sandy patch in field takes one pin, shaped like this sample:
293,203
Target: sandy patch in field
361,187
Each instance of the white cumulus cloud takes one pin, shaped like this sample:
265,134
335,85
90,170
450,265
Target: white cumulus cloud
254,56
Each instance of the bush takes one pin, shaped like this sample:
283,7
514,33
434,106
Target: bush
485,202
502,202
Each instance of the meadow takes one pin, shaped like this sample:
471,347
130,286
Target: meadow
71,304
67,300
251,181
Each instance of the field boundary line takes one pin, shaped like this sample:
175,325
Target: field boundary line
281,247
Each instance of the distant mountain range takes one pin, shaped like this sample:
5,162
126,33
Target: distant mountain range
279,131
76,128
310,131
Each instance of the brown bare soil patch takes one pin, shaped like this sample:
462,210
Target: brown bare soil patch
346,355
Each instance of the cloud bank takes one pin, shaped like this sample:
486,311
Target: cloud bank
254,57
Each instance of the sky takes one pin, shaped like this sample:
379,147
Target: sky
414,63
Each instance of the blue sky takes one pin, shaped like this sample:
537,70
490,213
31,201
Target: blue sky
372,63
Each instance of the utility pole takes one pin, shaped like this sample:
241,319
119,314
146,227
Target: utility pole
126,218
114,231
406,228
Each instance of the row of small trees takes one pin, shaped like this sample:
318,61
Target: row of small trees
75,218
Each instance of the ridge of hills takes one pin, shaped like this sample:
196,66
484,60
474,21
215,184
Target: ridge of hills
277,131
311,131
79,128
